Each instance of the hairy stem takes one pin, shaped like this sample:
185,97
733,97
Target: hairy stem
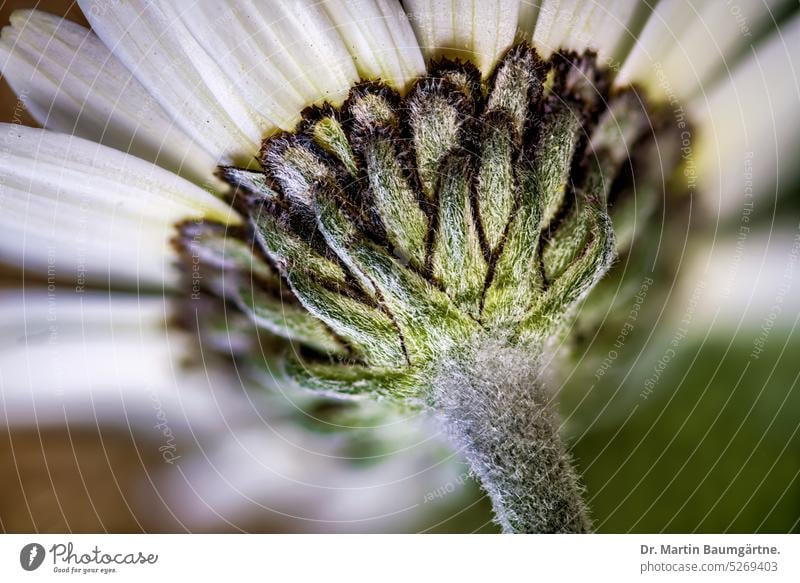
500,416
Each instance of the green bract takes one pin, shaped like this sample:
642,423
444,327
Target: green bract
408,227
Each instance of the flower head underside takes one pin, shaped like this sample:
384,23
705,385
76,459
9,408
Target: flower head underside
389,233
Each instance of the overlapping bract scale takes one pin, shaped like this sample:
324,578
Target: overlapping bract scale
404,227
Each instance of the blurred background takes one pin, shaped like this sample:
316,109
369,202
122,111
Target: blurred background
679,394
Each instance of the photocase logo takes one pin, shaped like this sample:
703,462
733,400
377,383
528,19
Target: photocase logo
31,556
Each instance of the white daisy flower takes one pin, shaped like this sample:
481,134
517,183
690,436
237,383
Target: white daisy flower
362,198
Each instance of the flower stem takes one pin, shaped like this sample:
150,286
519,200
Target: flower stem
496,410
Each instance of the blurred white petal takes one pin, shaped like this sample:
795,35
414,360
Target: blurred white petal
277,470
690,44
84,358
709,44
750,126
229,457
71,83
747,281
476,30
380,39
79,210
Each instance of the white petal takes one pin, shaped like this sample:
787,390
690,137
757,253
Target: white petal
721,32
78,358
554,23
668,21
609,28
78,210
690,45
746,281
750,127
109,360
78,245
380,39
175,69
280,57
477,30
229,73
71,83
528,14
